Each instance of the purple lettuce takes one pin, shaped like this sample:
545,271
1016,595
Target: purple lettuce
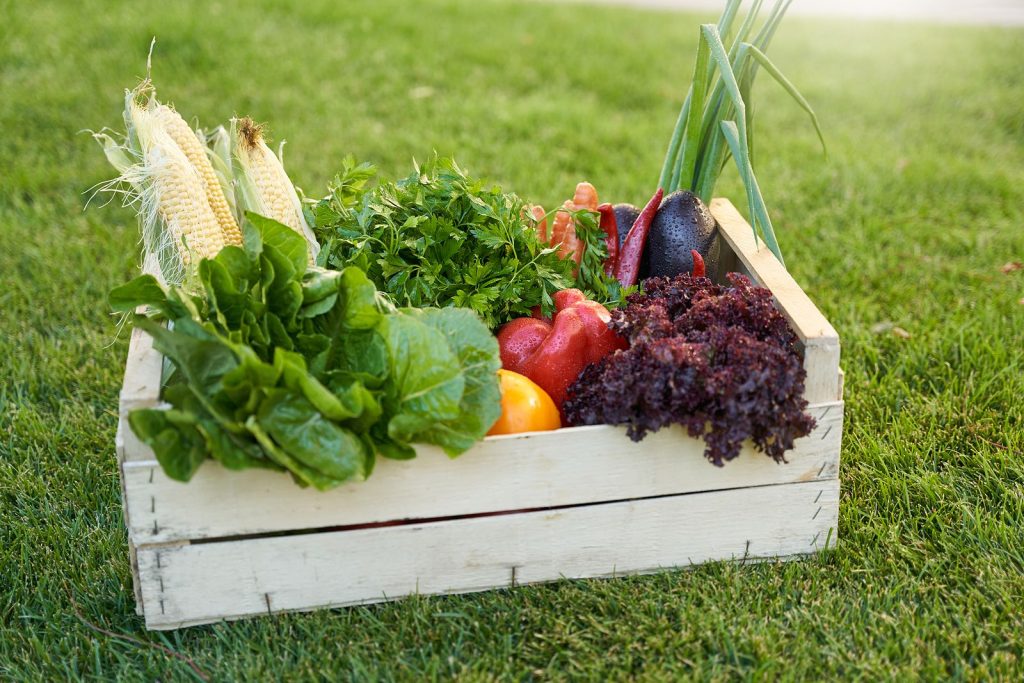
720,361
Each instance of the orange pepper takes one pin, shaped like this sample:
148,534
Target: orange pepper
525,407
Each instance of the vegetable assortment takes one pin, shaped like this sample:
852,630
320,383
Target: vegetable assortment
287,366
313,336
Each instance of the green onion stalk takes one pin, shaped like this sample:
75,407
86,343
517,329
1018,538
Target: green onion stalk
715,122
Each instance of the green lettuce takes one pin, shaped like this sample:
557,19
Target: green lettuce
286,366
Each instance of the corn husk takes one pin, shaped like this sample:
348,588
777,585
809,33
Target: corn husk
261,183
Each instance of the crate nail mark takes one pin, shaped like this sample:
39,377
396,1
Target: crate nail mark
161,584
266,598
827,409
826,432
816,513
162,607
158,560
152,504
818,497
815,539
513,581
156,528
823,466
151,470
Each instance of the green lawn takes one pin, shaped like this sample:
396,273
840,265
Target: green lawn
908,222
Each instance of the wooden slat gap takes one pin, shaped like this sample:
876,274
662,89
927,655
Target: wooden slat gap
426,521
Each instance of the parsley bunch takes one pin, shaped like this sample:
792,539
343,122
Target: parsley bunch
440,238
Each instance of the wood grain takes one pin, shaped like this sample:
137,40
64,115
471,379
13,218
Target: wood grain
194,584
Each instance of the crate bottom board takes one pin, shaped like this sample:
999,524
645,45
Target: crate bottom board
191,584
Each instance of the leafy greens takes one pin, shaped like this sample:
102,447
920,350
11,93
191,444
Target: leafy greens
292,367
440,238
721,361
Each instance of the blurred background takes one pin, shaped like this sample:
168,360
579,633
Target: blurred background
1001,12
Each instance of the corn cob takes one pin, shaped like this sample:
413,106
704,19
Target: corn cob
217,145
195,152
264,186
192,190
174,193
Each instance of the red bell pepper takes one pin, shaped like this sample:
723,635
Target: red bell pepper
553,354
519,338
628,268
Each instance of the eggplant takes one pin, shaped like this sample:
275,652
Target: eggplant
625,217
682,223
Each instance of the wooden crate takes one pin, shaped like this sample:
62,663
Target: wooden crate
578,502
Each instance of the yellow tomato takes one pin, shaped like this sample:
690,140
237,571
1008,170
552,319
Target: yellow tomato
525,407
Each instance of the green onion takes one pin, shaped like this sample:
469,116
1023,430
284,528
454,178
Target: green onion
716,119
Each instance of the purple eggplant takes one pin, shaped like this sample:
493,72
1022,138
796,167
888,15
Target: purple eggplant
682,223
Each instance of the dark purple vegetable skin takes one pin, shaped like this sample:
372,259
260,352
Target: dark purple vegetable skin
682,223
625,216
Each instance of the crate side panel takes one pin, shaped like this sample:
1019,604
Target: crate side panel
728,262
565,467
142,372
192,584
821,363
119,449
141,389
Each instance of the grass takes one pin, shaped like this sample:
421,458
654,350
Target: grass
908,222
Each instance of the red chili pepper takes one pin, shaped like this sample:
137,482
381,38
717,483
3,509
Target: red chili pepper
633,247
553,354
698,263
610,227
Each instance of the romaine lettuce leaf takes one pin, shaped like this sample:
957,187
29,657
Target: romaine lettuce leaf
284,365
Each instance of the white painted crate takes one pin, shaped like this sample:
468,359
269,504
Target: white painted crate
578,502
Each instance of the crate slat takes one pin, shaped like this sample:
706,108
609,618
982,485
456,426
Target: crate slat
200,583
567,467
119,449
